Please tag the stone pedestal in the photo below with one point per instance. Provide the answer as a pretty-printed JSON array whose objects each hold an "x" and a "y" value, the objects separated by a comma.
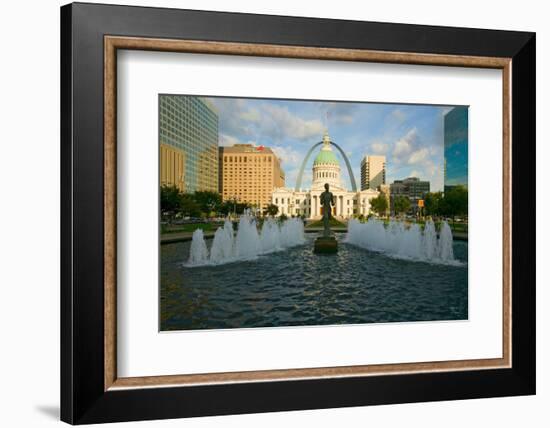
[{"x": 325, "y": 245}]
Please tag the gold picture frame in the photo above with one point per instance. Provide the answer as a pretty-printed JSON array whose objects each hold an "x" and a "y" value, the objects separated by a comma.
[{"x": 114, "y": 43}]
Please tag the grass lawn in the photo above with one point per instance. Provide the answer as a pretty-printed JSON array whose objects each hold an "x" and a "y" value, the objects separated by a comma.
[
  {"x": 191, "y": 227},
  {"x": 456, "y": 227},
  {"x": 333, "y": 223}
]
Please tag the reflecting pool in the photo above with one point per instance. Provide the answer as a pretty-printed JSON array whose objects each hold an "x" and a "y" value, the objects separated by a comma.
[{"x": 294, "y": 287}]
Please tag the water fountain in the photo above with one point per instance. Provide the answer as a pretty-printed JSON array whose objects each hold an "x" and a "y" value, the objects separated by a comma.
[
  {"x": 398, "y": 240},
  {"x": 264, "y": 276},
  {"x": 222, "y": 246},
  {"x": 247, "y": 243},
  {"x": 198, "y": 253}
]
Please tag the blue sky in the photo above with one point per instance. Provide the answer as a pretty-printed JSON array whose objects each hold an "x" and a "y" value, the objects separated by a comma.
[{"x": 410, "y": 136}]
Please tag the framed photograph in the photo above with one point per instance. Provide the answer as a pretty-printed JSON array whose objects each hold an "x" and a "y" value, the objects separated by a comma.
[{"x": 266, "y": 213}]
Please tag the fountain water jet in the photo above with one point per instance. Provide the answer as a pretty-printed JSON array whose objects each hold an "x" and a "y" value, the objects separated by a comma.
[
  {"x": 399, "y": 241},
  {"x": 247, "y": 243},
  {"x": 198, "y": 253},
  {"x": 222, "y": 246}
]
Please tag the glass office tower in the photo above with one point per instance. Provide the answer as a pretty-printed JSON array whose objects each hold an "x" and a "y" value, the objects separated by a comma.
[
  {"x": 456, "y": 147},
  {"x": 189, "y": 124}
]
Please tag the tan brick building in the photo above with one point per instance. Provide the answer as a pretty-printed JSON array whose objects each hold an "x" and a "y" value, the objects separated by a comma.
[{"x": 249, "y": 174}]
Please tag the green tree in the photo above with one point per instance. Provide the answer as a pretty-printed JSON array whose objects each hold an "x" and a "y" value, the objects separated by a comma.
[
  {"x": 231, "y": 206},
  {"x": 242, "y": 206},
  {"x": 226, "y": 208},
  {"x": 432, "y": 203},
  {"x": 170, "y": 199},
  {"x": 401, "y": 204},
  {"x": 455, "y": 202},
  {"x": 208, "y": 202},
  {"x": 188, "y": 206},
  {"x": 271, "y": 210},
  {"x": 379, "y": 204}
]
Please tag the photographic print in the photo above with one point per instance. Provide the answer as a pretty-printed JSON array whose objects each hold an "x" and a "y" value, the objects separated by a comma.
[{"x": 286, "y": 213}]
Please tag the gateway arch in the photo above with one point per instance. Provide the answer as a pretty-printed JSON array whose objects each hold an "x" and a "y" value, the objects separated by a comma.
[{"x": 304, "y": 163}]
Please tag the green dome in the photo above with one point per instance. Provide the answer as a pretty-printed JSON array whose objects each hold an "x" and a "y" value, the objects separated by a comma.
[{"x": 325, "y": 156}]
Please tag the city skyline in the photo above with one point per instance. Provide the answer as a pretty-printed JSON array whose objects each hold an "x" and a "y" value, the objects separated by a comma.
[{"x": 411, "y": 137}]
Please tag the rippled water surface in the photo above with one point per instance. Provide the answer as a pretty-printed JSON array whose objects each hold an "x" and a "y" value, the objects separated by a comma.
[{"x": 296, "y": 287}]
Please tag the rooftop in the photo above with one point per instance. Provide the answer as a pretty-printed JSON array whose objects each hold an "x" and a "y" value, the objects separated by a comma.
[{"x": 246, "y": 148}]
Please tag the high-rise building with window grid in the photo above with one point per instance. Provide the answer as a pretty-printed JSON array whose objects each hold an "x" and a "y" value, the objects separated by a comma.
[
  {"x": 373, "y": 172},
  {"x": 188, "y": 125},
  {"x": 249, "y": 174}
]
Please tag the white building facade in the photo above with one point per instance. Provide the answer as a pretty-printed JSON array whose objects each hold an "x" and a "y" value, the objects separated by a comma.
[{"x": 326, "y": 169}]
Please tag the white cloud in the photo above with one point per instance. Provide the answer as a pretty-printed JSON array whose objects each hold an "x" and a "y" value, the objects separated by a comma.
[
  {"x": 287, "y": 155},
  {"x": 254, "y": 120},
  {"x": 418, "y": 156},
  {"x": 279, "y": 123},
  {"x": 435, "y": 150},
  {"x": 411, "y": 157},
  {"x": 251, "y": 115},
  {"x": 404, "y": 146},
  {"x": 428, "y": 170},
  {"x": 379, "y": 148},
  {"x": 227, "y": 140}
]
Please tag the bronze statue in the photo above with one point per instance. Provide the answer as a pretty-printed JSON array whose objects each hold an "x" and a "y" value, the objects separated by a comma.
[
  {"x": 327, "y": 201},
  {"x": 326, "y": 243}
]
